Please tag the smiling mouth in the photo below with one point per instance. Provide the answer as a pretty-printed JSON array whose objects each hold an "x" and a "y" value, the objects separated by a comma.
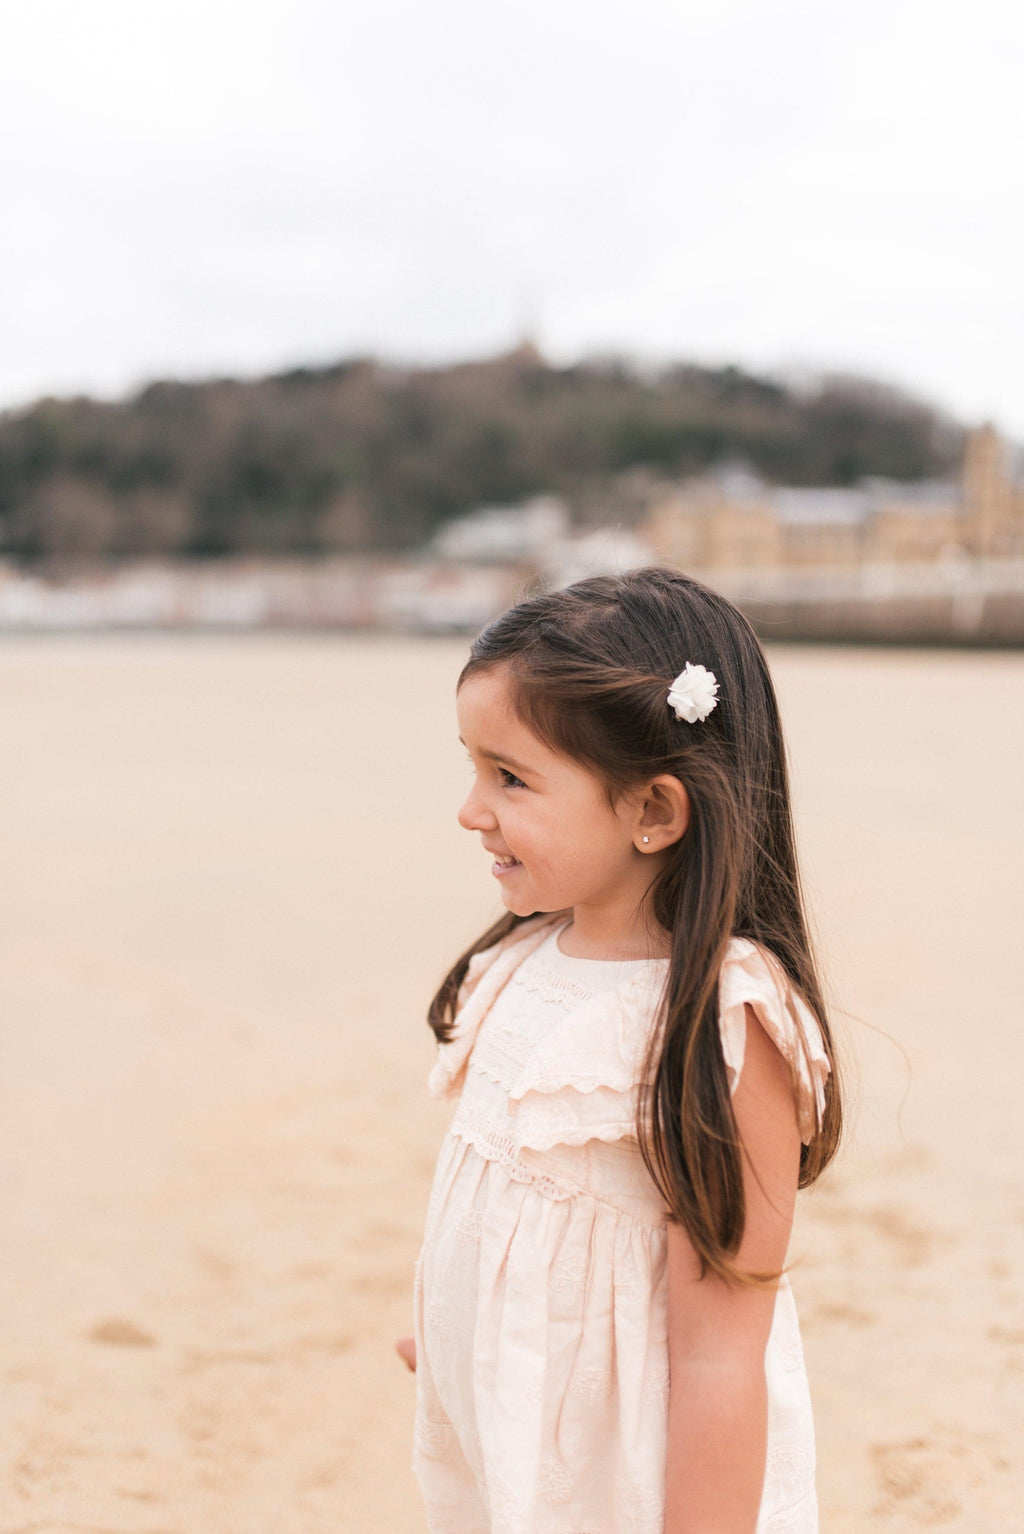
[{"x": 504, "y": 865}]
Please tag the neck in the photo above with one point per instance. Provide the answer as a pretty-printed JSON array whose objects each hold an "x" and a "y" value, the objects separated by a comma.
[{"x": 600, "y": 933}]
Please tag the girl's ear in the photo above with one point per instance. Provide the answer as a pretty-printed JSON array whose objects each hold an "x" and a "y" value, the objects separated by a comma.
[{"x": 662, "y": 814}]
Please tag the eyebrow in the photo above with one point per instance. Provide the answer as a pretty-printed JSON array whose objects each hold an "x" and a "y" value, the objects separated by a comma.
[{"x": 502, "y": 756}]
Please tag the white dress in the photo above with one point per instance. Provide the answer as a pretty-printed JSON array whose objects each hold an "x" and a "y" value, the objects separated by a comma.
[{"x": 540, "y": 1294}]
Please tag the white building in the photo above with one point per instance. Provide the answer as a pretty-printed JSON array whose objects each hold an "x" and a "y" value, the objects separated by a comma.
[{"x": 504, "y": 534}]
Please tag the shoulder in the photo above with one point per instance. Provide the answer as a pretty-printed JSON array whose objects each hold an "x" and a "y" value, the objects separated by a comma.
[
  {"x": 508, "y": 952},
  {"x": 752, "y": 977},
  {"x": 487, "y": 972}
]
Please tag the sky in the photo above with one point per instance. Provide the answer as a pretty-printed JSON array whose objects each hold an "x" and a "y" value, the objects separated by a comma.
[{"x": 213, "y": 187}]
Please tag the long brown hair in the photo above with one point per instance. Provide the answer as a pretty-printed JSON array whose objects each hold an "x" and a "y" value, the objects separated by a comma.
[{"x": 590, "y": 667}]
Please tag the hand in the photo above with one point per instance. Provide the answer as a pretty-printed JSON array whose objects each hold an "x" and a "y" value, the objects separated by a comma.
[{"x": 405, "y": 1347}]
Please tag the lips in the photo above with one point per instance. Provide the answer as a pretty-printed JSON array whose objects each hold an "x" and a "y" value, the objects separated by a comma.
[{"x": 503, "y": 863}]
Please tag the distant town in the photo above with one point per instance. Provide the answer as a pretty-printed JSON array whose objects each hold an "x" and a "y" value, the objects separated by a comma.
[{"x": 933, "y": 561}]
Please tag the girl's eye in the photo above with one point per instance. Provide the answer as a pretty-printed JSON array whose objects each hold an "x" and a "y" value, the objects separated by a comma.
[{"x": 508, "y": 779}]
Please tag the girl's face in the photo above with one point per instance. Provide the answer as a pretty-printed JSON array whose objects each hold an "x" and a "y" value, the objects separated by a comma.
[{"x": 555, "y": 840}]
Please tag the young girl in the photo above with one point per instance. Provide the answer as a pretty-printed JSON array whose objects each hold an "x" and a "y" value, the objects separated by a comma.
[{"x": 605, "y": 1341}]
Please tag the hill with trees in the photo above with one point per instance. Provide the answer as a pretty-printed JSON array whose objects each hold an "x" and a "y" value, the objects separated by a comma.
[{"x": 365, "y": 455}]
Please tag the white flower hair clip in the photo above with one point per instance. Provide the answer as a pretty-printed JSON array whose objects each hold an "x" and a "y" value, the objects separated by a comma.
[{"x": 693, "y": 694}]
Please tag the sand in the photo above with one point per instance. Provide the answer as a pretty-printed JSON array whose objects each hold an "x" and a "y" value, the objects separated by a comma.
[{"x": 233, "y": 876}]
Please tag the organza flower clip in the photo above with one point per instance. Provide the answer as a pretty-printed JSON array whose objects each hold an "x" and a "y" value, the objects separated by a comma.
[{"x": 693, "y": 694}]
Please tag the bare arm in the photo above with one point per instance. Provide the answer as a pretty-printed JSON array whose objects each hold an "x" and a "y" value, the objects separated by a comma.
[{"x": 718, "y": 1403}]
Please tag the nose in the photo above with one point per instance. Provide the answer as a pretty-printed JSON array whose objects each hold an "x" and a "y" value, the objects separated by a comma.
[{"x": 474, "y": 814}]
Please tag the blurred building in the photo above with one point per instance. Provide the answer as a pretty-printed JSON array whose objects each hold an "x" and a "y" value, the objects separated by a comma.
[
  {"x": 599, "y": 551},
  {"x": 931, "y": 561},
  {"x": 730, "y": 519},
  {"x": 504, "y": 534}
]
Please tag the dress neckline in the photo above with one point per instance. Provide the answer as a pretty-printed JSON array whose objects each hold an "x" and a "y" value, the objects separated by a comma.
[{"x": 597, "y": 968}]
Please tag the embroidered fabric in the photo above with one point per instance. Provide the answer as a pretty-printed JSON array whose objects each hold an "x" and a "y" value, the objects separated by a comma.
[
  {"x": 540, "y": 1302},
  {"x": 549, "y": 985}
]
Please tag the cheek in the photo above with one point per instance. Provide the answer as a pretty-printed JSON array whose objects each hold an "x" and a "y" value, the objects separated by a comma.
[{"x": 530, "y": 837}]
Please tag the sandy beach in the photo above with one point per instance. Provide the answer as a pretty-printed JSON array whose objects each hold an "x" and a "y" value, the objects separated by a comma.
[{"x": 233, "y": 878}]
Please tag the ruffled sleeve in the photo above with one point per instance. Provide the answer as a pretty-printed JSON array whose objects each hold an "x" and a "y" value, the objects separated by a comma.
[
  {"x": 750, "y": 973},
  {"x": 487, "y": 973},
  {"x": 582, "y": 1080}
]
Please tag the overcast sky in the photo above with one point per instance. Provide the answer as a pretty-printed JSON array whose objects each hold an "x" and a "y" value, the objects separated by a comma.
[{"x": 216, "y": 186}]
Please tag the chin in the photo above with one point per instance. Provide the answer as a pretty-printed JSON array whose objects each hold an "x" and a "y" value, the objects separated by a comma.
[
  {"x": 521, "y": 907},
  {"x": 518, "y": 905}
]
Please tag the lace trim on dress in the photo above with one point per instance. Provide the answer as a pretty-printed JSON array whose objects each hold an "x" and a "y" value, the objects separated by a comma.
[
  {"x": 507, "y": 1051},
  {"x": 549, "y": 985},
  {"x": 574, "y": 1117},
  {"x": 494, "y": 1146},
  {"x": 475, "y": 1131}
]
